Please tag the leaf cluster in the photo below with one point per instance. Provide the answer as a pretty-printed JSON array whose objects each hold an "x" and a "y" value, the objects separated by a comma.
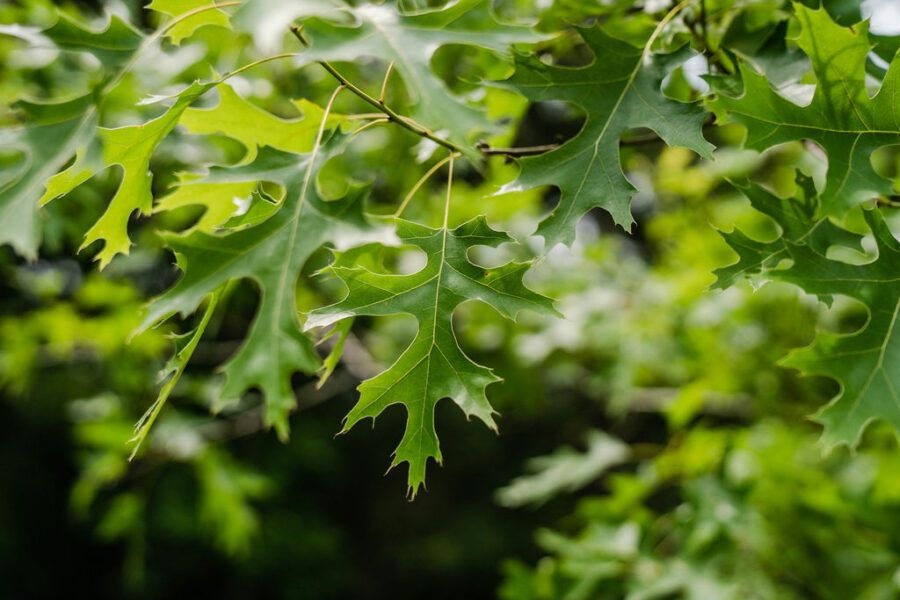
[{"x": 322, "y": 184}]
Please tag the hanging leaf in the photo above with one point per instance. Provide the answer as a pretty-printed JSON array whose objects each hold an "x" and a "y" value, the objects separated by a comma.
[
  {"x": 864, "y": 362},
  {"x": 619, "y": 90},
  {"x": 131, "y": 149},
  {"x": 55, "y": 131},
  {"x": 433, "y": 367}
]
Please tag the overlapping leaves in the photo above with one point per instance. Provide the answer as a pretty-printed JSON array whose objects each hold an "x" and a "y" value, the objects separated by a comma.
[
  {"x": 796, "y": 217},
  {"x": 131, "y": 149},
  {"x": 272, "y": 253},
  {"x": 862, "y": 362},
  {"x": 253, "y": 127},
  {"x": 55, "y": 131},
  {"x": 841, "y": 117}
]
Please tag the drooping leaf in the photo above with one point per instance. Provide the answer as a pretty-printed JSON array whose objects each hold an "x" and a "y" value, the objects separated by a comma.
[
  {"x": 55, "y": 131},
  {"x": 53, "y": 134},
  {"x": 187, "y": 27},
  {"x": 799, "y": 225},
  {"x": 272, "y": 253},
  {"x": 114, "y": 45},
  {"x": 130, "y": 148},
  {"x": 841, "y": 118},
  {"x": 620, "y": 89},
  {"x": 864, "y": 362},
  {"x": 433, "y": 367},
  {"x": 409, "y": 41}
]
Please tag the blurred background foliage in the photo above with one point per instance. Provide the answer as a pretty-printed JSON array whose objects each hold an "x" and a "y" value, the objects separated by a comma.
[{"x": 673, "y": 458}]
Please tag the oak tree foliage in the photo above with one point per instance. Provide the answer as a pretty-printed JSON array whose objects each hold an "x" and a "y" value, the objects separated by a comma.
[{"x": 273, "y": 215}]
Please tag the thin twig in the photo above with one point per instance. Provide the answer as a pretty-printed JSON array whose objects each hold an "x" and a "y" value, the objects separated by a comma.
[
  {"x": 520, "y": 151},
  {"x": 703, "y": 29},
  {"x": 484, "y": 148},
  {"x": 419, "y": 184},
  {"x": 392, "y": 116},
  {"x": 366, "y": 116},
  {"x": 449, "y": 189},
  {"x": 387, "y": 75},
  {"x": 370, "y": 124},
  {"x": 256, "y": 63}
]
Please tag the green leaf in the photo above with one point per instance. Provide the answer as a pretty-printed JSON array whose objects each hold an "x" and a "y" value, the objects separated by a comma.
[
  {"x": 114, "y": 46},
  {"x": 864, "y": 362},
  {"x": 841, "y": 118},
  {"x": 187, "y": 27},
  {"x": 621, "y": 89},
  {"x": 330, "y": 363},
  {"x": 56, "y": 131},
  {"x": 861, "y": 361},
  {"x": 53, "y": 134},
  {"x": 218, "y": 200},
  {"x": 409, "y": 41},
  {"x": 271, "y": 253},
  {"x": 796, "y": 217},
  {"x": 433, "y": 367},
  {"x": 253, "y": 127},
  {"x": 130, "y": 148}
]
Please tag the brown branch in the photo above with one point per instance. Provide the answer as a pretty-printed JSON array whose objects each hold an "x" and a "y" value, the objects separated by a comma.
[
  {"x": 487, "y": 150},
  {"x": 521, "y": 151}
]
